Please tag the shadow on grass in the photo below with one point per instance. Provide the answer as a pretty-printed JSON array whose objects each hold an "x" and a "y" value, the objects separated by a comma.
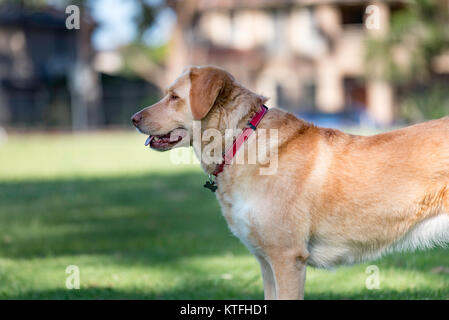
[
  {"x": 151, "y": 217},
  {"x": 224, "y": 292}
]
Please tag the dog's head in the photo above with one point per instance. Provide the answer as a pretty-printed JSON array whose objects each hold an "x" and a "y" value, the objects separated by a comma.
[{"x": 169, "y": 122}]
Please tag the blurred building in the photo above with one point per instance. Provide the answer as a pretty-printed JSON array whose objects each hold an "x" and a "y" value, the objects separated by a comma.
[
  {"x": 45, "y": 72},
  {"x": 52, "y": 77},
  {"x": 306, "y": 55}
]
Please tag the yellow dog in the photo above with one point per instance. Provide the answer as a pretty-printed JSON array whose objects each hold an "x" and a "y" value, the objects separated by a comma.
[{"x": 334, "y": 199}]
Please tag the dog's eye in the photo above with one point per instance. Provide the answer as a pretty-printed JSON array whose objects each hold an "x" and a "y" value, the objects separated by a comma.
[{"x": 174, "y": 97}]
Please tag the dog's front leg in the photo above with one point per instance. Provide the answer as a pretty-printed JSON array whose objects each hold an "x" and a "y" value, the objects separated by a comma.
[
  {"x": 290, "y": 276},
  {"x": 269, "y": 285}
]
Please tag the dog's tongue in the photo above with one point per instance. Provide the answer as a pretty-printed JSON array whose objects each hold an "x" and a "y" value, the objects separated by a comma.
[{"x": 147, "y": 142}]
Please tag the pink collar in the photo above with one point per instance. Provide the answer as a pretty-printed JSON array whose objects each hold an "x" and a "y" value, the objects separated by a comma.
[{"x": 229, "y": 155}]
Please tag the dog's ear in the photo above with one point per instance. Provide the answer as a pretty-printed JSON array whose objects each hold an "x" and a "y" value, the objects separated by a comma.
[{"x": 205, "y": 86}]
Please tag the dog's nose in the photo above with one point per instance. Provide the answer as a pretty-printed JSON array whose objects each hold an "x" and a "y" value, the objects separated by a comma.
[{"x": 136, "y": 118}]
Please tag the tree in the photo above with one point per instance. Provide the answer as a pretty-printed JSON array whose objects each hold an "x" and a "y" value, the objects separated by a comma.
[
  {"x": 144, "y": 20},
  {"x": 418, "y": 36}
]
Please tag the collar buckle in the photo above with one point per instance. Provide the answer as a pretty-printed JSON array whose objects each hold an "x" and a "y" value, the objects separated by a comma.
[{"x": 211, "y": 184}]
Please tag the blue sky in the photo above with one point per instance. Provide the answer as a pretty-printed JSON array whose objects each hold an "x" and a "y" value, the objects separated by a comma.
[{"x": 116, "y": 27}]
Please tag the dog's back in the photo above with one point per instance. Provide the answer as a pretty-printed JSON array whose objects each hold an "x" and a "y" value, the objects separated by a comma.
[{"x": 377, "y": 193}]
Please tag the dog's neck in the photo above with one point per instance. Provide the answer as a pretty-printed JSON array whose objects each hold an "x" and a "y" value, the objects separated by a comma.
[{"x": 230, "y": 113}]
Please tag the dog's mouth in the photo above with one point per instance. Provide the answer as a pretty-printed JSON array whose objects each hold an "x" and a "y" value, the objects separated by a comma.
[{"x": 166, "y": 141}]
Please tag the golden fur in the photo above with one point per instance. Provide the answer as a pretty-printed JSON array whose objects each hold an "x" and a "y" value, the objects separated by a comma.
[{"x": 335, "y": 198}]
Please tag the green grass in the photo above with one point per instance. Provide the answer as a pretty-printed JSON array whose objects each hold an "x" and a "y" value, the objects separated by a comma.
[{"x": 139, "y": 227}]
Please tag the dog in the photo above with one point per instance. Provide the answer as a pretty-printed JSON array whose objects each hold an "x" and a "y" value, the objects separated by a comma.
[{"x": 334, "y": 199}]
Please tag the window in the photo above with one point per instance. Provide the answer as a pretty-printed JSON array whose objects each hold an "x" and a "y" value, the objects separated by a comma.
[
  {"x": 355, "y": 93},
  {"x": 352, "y": 14}
]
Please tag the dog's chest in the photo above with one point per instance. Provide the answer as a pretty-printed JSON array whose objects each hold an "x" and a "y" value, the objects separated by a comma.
[{"x": 238, "y": 212}]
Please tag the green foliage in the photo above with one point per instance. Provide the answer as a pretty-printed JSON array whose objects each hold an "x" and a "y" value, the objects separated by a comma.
[
  {"x": 140, "y": 227},
  {"x": 405, "y": 57},
  {"x": 433, "y": 103},
  {"x": 156, "y": 55},
  {"x": 422, "y": 30}
]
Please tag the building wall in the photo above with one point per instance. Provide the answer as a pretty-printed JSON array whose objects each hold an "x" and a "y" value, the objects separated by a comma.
[{"x": 298, "y": 55}]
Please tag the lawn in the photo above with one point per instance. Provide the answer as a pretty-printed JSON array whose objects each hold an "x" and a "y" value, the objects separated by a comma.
[{"x": 139, "y": 227}]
